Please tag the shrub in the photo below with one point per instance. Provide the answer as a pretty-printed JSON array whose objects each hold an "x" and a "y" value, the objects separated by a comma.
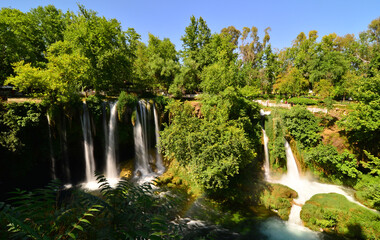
[
  {"x": 303, "y": 126},
  {"x": 94, "y": 104},
  {"x": 126, "y": 102},
  {"x": 328, "y": 163},
  {"x": 14, "y": 118},
  {"x": 216, "y": 147},
  {"x": 368, "y": 191}
]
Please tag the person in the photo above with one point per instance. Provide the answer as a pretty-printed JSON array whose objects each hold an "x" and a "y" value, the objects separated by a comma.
[{"x": 282, "y": 100}]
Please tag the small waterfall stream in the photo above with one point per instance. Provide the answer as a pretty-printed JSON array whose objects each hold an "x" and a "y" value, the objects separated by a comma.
[
  {"x": 159, "y": 163},
  {"x": 266, "y": 152},
  {"x": 88, "y": 145},
  {"x": 53, "y": 174},
  {"x": 142, "y": 167},
  {"x": 112, "y": 172}
]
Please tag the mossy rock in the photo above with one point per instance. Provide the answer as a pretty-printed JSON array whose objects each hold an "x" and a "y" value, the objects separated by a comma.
[
  {"x": 127, "y": 169},
  {"x": 179, "y": 178},
  {"x": 333, "y": 213},
  {"x": 278, "y": 198}
]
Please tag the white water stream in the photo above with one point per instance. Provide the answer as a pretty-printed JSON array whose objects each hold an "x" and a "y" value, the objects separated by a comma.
[
  {"x": 112, "y": 173},
  {"x": 266, "y": 162},
  {"x": 142, "y": 168},
  {"x": 88, "y": 145},
  {"x": 143, "y": 138}
]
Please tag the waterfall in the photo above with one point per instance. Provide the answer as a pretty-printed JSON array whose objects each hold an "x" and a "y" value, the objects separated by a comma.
[
  {"x": 105, "y": 127},
  {"x": 111, "y": 166},
  {"x": 291, "y": 165},
  {"x": 88, "y": 145},
  {"x": 53, "y": 174},
  {"x": 141, "y": 141},
  {"x": 304, "y": 187},
  {"x": 266, "y": 152},
  {"x": 159, "y": 164}
]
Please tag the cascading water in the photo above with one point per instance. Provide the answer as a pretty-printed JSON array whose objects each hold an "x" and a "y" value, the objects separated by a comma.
[
  {"x": 53, "y": 174},
  {"x": 141, "y": 141},
  {"x": 105, "y": 127},
  {"x": 111, "y": 163},
  {"x": 88, "y": 145},
  {"x": 144, "y": 140},
  {"x": 159, "y": 163},
  {"x": 266, "y": 153}
]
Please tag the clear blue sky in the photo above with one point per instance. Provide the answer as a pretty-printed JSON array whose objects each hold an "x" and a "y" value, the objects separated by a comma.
[{"x": 169, "y": 18}]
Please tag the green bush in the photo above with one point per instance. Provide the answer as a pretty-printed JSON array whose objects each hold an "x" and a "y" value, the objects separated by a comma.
[
  {"x": 94, "y": 104},
  {"x": 126, "y": 102},
  {"x": 328, "y": 163},
  {"x": 333, "y": 213},
  {"x": 14, "y": 118},
  {"x": 275, "y": 131},
  {"x": 250, "y": 92},
  {"x": 302, "y": 101},
  {"x": 368, "y": 191},
  {"x": 216, "y": 147},
  {"x": 303, "y": 126}
]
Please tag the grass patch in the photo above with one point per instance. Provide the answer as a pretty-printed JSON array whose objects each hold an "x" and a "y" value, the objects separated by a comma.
[
  {"x": 333, "y": 213},
  {"x": 302, "y": 101}
]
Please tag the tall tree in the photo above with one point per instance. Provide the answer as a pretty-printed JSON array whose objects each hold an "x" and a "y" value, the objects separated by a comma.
[
  {"x": 234, "y": 34},
  {"x": 19, "y": 40},
  {"x": 66, "y": 73},
  {"x": 291, "y": 82},
  {"x": 197, "y": 36},
  {"x": 109, "y": 49}
]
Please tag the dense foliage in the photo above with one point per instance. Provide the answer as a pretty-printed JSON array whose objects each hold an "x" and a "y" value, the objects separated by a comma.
[
  {"x": 123, "y": 212},
  {"x": 328, "y": 163},
  {"x": 14, "y": 118},
  {"x": 363, "y": 126},
  {"x": 125, "y": 102},
  {"x": 303, "y": 126},
  {"x": 217, "y": 146},
  {"x": 59, "y": 57},
  {"x": 368, "y": 191},
  {"x": 82, "y": 50}
]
